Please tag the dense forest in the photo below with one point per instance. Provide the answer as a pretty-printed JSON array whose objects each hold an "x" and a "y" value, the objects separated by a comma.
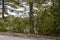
[{"x": 30, "y": 16}]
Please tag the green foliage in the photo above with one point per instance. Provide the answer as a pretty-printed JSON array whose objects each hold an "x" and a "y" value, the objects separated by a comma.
[
  {"x": 49, "y": 20},
  {"x": 14, "y": 24},
  {"x": 2, "y": 26}
]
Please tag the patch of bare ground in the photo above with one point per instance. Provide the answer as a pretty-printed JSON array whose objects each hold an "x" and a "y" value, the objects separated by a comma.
[{"x": 30, "y": 36}]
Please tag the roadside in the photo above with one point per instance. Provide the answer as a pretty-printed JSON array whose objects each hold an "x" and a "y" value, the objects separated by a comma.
[{"x": 30, "y": 36}]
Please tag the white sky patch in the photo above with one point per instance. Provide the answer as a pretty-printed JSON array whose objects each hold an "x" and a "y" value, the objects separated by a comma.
[
  {"x": 16, "y": 9},
  {"x": 44, "y": 4},
  {"x": 24, "y": 9},
  {"x": 4, "y": 15},
  {"x": 10, "y": 13},
  {"x": 48, "y": 4},
  {"x": 20, "y": 13},
  {"x": 27, "y": 8},
  {"x": 17, "y": 15},
  {"x": 20, "y": 9},
  {"x": 24, "y": 3},
  {"x": 35, "y": 14},
  {"x": 9, "y": 7},
  {"x": 27, "y": 11},
  {"x": 35, "y": 8},
  {"x": 11, "y": 3},
  {"x": 23, "y": 16}
]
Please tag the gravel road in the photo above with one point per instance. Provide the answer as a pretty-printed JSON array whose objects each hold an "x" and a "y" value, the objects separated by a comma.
[{"x": 4, "y": 37}]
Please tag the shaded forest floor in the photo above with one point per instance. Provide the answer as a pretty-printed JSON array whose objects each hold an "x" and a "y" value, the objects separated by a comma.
[{"x": 30, "y": 36}]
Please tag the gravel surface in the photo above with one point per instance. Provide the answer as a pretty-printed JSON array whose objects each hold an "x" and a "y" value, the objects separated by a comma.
[
  {"x": 19, "y": 36},
  {"x": 4, "y": 37}
]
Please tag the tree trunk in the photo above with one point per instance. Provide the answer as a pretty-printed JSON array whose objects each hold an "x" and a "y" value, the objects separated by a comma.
[
  {"x": 31, "y": 17},
  {"x": 3, "y": 9}
]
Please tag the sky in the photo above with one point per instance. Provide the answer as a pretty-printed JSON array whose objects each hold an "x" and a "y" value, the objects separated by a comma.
[
  {"x": 15, "y": 12},
  {"x": 24, "y": 9}
]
